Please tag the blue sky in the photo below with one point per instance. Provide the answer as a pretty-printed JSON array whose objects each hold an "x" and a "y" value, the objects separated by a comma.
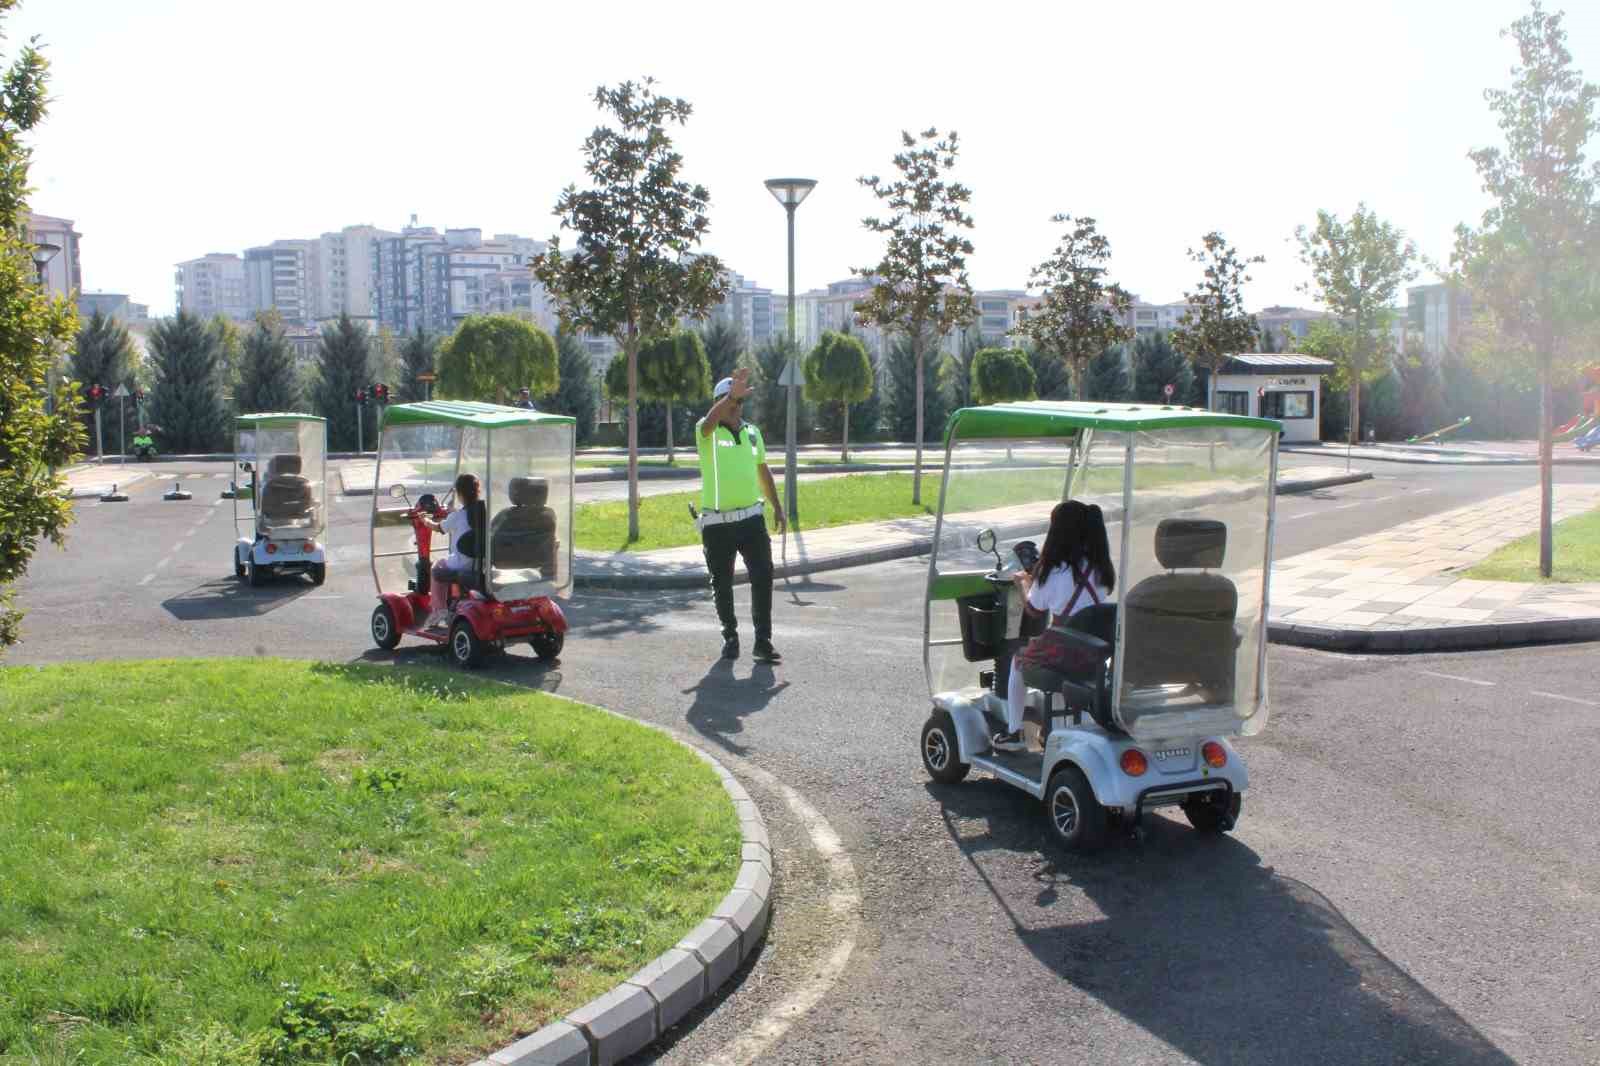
[{"x": 181, "y": 127}]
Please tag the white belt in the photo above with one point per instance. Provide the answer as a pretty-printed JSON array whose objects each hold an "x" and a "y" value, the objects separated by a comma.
[{"x": 717, "y": 518}]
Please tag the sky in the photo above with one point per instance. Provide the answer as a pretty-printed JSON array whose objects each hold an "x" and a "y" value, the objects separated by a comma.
[{"x": 181, "y": 127}]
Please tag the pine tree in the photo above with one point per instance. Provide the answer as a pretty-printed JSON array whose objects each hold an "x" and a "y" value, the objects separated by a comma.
[
  {"x": 1108, "y": 376},
  {"x": 902, "y": 398},
  {"x": 723, "y": 347},
  {"x": 417, "y": 357},
  {"x": 103, "y": 354},
  {"x": 186, "y": 398},
  {"x": 1156, "y": 363},
  {"x": 772, "y": 410},
  {"x": 575, "y": 395},
  {"x": 268, "y": 378},
  {"x": 1050, "y": 375},
  {"x": 344, "y": 362},
  {"x": 230, "y": 351}
]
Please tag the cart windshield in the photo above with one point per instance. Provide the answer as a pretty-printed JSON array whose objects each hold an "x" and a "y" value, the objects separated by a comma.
[
  {"x": 288, "y": 474},
  {"x": 415, "y": 459}
]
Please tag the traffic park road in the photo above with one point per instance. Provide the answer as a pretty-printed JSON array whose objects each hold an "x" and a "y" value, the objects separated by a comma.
[{"x": 1412, "y": 879}]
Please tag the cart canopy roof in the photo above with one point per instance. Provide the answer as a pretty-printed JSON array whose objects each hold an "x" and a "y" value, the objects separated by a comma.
[
  {"x": 276, "y": 418},
  {"x": 467, "y": 413},
  {"x": 1063, "y": 418}
]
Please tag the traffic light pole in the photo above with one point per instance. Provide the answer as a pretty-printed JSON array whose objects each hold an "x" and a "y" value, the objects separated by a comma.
[
  {"x": 122, "y": 432},
  {"x": 99, "y": 447},
  {"x": 359, "y": 448}
]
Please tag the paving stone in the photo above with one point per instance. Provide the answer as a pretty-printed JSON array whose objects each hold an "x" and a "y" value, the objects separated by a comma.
[
  {"x": 618, "y": 1023},
  {"x": 748, "y": 914},
  {"x": 755, "y": 876},
  {"x": 753, "y": 852},
  {"x": 557, "y": 1044},
  {"x": 677, "y": 983},
  {"x": 716, "y": 943}
]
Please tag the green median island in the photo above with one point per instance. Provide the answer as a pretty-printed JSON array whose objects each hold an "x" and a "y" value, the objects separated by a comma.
[
  {"x": 267, "y": 862},
  {"x": 1576, "y": 545}
]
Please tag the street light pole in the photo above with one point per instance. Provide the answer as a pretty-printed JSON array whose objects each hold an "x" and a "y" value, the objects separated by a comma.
[{"x": 789, "y": 192}]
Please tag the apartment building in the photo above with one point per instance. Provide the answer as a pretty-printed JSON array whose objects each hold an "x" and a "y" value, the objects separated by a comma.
[
  {"x": 1286, "y": 325},
  {"x": 212, "y": 285},
  {"x": 63, "y": 273},
  {"x": 285, "y": 276},
  {"x": 1439, "y": 313},
  {"x": 346, "y": 279},
  {"x": 113, "y": 305},
  {"x": 749, "y": 309}
]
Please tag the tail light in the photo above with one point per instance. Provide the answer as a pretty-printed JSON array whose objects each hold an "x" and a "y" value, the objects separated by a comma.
[
  {"x": 272, "y": 549},
  {"x": 309, "y": 546},
  {"x": 1134, "y": 764},
  {"x": 1214, "y": 754}
]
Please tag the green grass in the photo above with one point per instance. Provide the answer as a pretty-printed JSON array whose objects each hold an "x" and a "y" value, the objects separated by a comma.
[
  {"x": 259, "y": 861},
  {"x": 1576, "y": 549}
]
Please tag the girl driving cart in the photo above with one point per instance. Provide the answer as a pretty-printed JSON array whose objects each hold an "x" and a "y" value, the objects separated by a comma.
[{"x": 460, "y": 566}]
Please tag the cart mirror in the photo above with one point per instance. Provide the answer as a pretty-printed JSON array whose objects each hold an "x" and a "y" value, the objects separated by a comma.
[
  {"x": 986, "y": 540},
  {"x": 397, "y": 490},
  {"x": 246, "y": 467}
]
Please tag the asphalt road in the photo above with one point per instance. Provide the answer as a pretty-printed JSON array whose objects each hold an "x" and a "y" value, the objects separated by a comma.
[{"x": 1412, "y": 880}]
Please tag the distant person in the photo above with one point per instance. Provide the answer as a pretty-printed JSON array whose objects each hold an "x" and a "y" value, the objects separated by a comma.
[
  {"x": 734, "y": 477},
  {"x": 525, "y": 401},
  {"x": 1074, "y": 572}
]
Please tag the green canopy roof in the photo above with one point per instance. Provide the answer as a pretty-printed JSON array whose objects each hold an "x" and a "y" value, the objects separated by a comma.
[
  {"x": 276, "y": 418},
  {"x": 1063, "y": 418},
  {"x": 468, "y": 413}
]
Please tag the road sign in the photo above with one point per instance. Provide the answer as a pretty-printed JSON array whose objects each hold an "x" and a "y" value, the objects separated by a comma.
[
  {"x": 428, "y": 378},
  {"x": 1169, "y": 390},
  {"x": 121, "y": 393},
  {"x": 791, "y": 374}
]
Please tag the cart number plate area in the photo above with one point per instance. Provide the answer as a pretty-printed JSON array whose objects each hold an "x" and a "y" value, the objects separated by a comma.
[{"x": 1166, "y": 754}]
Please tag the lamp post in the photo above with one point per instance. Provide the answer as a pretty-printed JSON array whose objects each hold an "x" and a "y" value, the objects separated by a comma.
[
  {"x": 42, "y": 254},
  {"x": 789, "y": 192}
]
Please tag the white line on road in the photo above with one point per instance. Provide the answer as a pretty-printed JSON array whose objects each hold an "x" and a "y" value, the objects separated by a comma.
[
  {"x": 1453, "y": 677},
  {"x": 163, "y": 562},
  {"x": 1565, "y": 699},
  {"x": 146, "y": 579}
]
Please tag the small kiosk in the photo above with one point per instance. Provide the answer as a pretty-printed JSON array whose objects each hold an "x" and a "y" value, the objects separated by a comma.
[{"x": 1283, "y": 387}]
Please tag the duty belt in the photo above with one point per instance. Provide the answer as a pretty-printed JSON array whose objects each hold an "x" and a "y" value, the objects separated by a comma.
[{"x": 717, "y": 518}]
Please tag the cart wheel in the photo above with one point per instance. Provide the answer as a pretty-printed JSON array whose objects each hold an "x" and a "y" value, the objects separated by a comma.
[
  {"x": 319, "y": 573},
  {"x": 465, "y": 647},
  {"x": 385, "y": 633},
  {"x": 238, "y": 567},
  {"x": 1076, "y": 817},
  {"x": 258, "y": 575},
  {"x": 548, "y": 645},
  {"x": 1211, "y": 814},
  {"x": 940, "y": 753}
]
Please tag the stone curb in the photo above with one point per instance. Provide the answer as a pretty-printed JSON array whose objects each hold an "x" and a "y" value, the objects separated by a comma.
[
  {"x": 905, "y": 549},
  {"x": 646, "y": 1005},
  {"x": 1560, "y": 460},
  {"x": 1434, "y": 638}
]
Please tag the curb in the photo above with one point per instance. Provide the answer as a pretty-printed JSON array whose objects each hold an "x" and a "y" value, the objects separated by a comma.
[
  {"x": 1435, "y": 638},
  {"x": 906, "y": 549},
  {"x": 1559, "y": 460},
  {"x": 85, "y": 492},
  {"x": 636, "y": 1012}
]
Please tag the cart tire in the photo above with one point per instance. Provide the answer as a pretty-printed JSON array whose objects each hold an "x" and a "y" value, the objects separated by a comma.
[
  {"x": 385, "y": 631},
  {"x": 465, "y": 648},
  {"x": 941, "y": 754},
  {"x": 547, "y": 646},
  {"x": 258, "y": 575},
  {"x": 238, "y": 567},
  {"x": 1076, "y": 817},
  {"x": 1211, "y": 817},
  {"x": 319, "y": 573}
]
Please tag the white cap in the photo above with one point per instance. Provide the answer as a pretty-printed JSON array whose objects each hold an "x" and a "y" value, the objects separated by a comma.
[{"x": 722, "y": 389}]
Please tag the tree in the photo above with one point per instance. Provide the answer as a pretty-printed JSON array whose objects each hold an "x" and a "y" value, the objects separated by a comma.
[
  {"x": 1108, "y": 376},
  {"x": 103, "y": 354},
  {"x": 417, "y": 355},
  {"x": 1356, "y": 270},
  {"x": 1050, "y": 374},
  {"x": 723, "y": 347},
  {"x": 955, "y": 370},
  {"x": 634, "y": 271},
  {"x": 575, "y": 395},
  {"x": 1002, "y": 375},
  {"x": 1080, "y": 313},
  {"x": 920, "y": 288},
  {"x": 1532, "y": 262},
  {"x": 1216, "y": 324},
  {"x": 907, "y": 415},
  {"x": 838, "y": 371},
  {"x": 35, "y": 437},
  {"x": 344, "y": 365},
  {"x": 673, "y": 369},
  {"x": 1157, "y": 364},
  {"x": 493, "y": 357},
  {"x": 186, "y": 397},
  {"x": 268, "y": 378},
  {"x": 772, "y": 399},
  {"x": 230, "y": 350}
]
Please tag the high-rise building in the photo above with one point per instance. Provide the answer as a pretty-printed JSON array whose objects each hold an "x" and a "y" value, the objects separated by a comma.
[
  {"x": 212, "y": 285},
  {"x": 113, "y": 305},
  {"x": 284, "y": 275},
  {"x": 748, "y": 308},
  {"x": 346, "y": 276},
  {"x": 63, "y": 274},
  {"x": 1286, "y": 325},
  {"x": 1439, "y": 313}
]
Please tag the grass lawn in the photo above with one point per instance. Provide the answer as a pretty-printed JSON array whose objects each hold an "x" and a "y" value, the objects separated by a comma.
[
  {"x": 260, "y": 861},
  {"x": 1577, "y": 554}
]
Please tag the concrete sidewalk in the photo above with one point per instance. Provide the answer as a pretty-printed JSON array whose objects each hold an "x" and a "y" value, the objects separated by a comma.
[
  {"x": 818, "y": 551},
  {"x": 1401, "y": 589},
  {"x": 88, "y": 480}
]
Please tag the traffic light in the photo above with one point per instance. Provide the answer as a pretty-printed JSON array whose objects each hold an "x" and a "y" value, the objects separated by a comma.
[
  {"x": 138, "y": 396},
  {"x": 380, "y": 392},
  {"x": 95, "y": 393},
  {"x": 361, "y": 397}
]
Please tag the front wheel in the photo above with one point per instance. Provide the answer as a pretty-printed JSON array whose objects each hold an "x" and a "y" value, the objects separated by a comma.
[
  {"x": 1211, "y": 813},
  {"x": 941, "y": 755},
  {"x": 319, "y": 573},
  {"x": 547, "y": 646},
  {"x": 385, "y": 633},
  {"x": 1076, "y": 817},
  {"x": 465, "y": 647}
]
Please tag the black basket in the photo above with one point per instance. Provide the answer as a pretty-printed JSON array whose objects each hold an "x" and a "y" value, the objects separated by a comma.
[{"x": 983, "y": 625}]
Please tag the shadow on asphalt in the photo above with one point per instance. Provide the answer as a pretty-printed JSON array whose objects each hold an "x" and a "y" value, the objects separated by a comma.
[
  {"x": 722, "y": 701},
  {"x": 1210, "y": 951},
  {"x": 233, "y": 598},
  {"x": 793, "y": 587},
  {"x": 509, "y": 666}
]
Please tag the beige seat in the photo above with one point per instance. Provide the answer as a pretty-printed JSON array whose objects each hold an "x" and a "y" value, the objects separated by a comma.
[
  {"x": 287, "y": 502},
  {"x": 523, "y": 535}
]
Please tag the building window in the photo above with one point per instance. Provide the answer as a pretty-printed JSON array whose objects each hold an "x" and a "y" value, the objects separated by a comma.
[
  {"x": 1233, "y": 402},
  {"x": 1284, "y": 405}
]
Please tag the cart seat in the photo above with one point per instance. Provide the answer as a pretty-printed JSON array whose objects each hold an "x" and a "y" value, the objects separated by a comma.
[
  {"x": 286, "y": 497},
  {"x": 1180, "y": 625},
  {"x": 523, "y": 535}
]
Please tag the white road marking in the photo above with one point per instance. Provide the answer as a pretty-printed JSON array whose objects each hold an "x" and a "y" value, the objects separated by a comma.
[
  {"x": 1463, "y": 680},
  {"x": 146, "y": 579},
  {"x": 1566, "y": 699},
  {"x": 192, "y": 531},
  {"x": 163, "y": 562}
]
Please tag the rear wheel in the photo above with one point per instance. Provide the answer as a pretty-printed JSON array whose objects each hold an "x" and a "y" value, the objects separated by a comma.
[
  {"x": 547, "y": 646},
  {"x": 258, "y": 575},
  {"x": 1076, "y": 817},
  {"x": 941, "y": 756},
  {"x": 385, "y": 632},
  {"x": 1211, "y": 813},
  {"x": 465, "y": 647},
  {"x": 238, "y": 565},
  {"x": 319, "y": 573}
]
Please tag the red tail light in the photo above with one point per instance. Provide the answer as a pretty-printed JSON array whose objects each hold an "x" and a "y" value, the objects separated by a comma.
[
  {"x": 1134, "y": 764},
  {"x": 272, "y": 549},
  {"x": 1214, "y": 754},
  {"x": 309, "y": 546}
]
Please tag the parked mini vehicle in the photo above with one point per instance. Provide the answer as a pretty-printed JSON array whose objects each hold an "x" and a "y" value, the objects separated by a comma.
[{"x": 282, "y": 458}]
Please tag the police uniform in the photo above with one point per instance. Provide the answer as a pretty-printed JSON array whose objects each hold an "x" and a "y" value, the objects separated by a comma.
[{"x": 732, "y": 521}]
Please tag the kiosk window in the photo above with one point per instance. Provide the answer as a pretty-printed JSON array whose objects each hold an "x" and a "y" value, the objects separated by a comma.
[
  {"x": 1233, "y": 402},
  {"x": 1287, "y": 405}
]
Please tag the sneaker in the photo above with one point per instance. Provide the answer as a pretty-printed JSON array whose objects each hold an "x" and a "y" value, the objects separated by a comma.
[
  {"x": 730, "y": 648},
  {"x": 765, "y": 652},
  {"x": 1009, "y": 741},
  {"x": 435, "y": 619}
]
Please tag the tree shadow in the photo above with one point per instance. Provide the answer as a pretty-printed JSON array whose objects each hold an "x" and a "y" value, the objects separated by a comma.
[
  {"x": 722, "y": 701},
  {"x": 229, "y": 597},
  {"x": 1210, "y": 951}
]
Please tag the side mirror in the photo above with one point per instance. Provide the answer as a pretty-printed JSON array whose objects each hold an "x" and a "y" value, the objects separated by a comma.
[
  {"x": 396, "y": 490},
  {"x": 246, "y": 467},
  {"x": 986, "y": 540}
]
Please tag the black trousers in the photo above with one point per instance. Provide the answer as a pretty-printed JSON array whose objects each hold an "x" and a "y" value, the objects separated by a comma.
[{"x": 749, "y": 540}]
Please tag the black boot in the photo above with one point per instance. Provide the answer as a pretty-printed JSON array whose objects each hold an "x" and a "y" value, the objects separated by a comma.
[
  {"x": 730, "y": 648},
  {"x": 765, "y": 652}
]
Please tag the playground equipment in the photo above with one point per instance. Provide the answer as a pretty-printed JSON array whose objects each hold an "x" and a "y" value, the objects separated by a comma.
[
  {"x": 1436, "y": 434},
  {"x": 1575, "y": 429}
]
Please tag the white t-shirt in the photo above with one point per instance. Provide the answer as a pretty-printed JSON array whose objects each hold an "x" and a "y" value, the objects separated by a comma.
[
  {"x": 456, "y": 525},
  {"x": 1055, "y": 592}
]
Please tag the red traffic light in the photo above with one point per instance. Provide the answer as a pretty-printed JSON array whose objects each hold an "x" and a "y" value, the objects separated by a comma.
[{"x": 361, "y": 396}]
